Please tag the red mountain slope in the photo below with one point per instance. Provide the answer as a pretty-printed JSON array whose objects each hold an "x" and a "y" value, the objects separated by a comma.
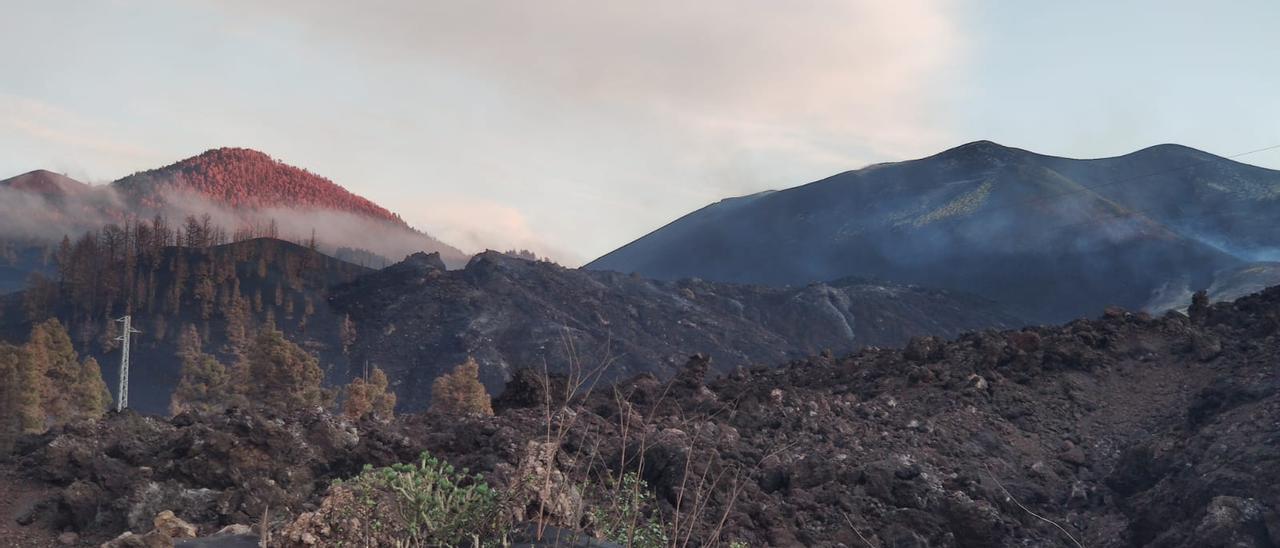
[{"x": 241, "y": 177}]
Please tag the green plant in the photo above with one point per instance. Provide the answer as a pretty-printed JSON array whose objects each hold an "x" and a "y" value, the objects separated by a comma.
[
  {"x": 630, "y": 521},
  {"x": 437, "y": 504}
]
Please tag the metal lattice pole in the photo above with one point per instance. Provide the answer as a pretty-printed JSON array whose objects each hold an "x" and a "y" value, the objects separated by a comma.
[{"x": 122, "y": 399}]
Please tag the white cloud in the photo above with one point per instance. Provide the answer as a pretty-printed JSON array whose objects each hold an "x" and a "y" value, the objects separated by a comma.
[
  {"x": 475, "y": 225},
  {"x": 90, "y": 142},
  {"x": 598, "y": 120},
  {"x": 838, "y": 69},
  {"x": 692, "y": 100}
]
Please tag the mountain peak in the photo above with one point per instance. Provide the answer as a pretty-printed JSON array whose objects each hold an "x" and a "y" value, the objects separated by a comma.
[
  {"x": 43, "y": 181},
  {"x": 979, "y": 149},
  {"x": 1166, "y": 150},
  {"x": 243, "y": 177},
  {"x": 232, "y": 153}
]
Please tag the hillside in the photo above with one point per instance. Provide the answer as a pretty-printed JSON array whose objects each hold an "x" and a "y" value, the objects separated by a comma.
[
  {"x": 1052, "y": 238},
  {"x": 1127, "y": 430},
  {"x": 416, "y": 320},
  {"x": 226, "y": 292},
  {"x": 241, "y": 177},
  {"x": 18, "y": 261},
  {"x": 45, "y": 183},
  {"x": 253, "y": 188},
  {"x": 234, "y": 193}
]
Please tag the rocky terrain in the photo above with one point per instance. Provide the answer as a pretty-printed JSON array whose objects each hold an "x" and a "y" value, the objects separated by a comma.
[
  {"x": 1051, "y": 238},
  {"x": 1126, "y": 430},
  {"x": 417, "y": 320}
]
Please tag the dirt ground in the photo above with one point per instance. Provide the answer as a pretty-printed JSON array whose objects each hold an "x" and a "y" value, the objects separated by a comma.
[{"x": 18, "y": 496}]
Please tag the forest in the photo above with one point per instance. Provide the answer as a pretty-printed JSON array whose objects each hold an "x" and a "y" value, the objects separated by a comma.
[{"x": 225, "y": 285}]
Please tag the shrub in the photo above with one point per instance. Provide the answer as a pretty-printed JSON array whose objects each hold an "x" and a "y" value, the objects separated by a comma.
[
  {"x": 631, "y": 520},
  {"x": 369, "y": 396},
  {"x": 279, "y": 375},
  {"x": 428, "y": 503},
  {"x": 90, "y": 391},
  {"x": 460, "y": 392},
  {"x": 205, "y": 384}
]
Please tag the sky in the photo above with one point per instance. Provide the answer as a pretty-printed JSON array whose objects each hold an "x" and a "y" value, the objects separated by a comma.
[{"x": 571, "y": 127}]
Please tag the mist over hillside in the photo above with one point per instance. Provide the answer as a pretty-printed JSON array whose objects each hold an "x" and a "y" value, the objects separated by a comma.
[
  {"x": 239, "y": 191},
  {"x": 1053, "y": 238}
]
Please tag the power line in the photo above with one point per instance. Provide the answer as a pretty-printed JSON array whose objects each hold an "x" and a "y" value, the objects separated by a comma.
[{"x": 122, "y": 399}]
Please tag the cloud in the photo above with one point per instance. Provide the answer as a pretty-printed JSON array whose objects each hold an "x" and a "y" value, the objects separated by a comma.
[
  {"x": 81, "y": 137},
  {"x": 599, "y": 121},
  {"x": 807, "y": 72},
  {"x": 661, "y": 106},
  {"x": 477, "y": 224}
]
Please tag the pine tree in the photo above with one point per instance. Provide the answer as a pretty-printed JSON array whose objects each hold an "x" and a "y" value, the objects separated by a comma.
[
  {"x": 460, "y": 392},
  {"x": 204, "y": 290},
  {"x": 92, "y": 397},
  {"x": 384, "y": 401},
  {"x": 237, "y": 328},
  {"x": 68, "y": 389},
  {"x": 347, "y": 333},
  {"x": 19, "y": 396},
  {"x": 205, "y": 384},
  {"x": 369, "y": 396},
  {"x": 357, "y": 403},
  {"x": 50, "y": 352},
  {"x": 280, "y": 375},
  {"x": 22, "y": 388},
  {"x": 38, "y": 299}
]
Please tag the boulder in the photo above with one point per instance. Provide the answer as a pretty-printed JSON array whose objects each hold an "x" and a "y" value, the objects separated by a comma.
[
  {"x": 1231, "y": 522},
  {"x": 154, "y": 539},
  {"x": 173, "y": 526}
]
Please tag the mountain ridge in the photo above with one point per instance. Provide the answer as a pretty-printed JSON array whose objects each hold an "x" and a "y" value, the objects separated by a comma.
[
  {"x": 417, "y": 320},
  {"x": 948, "y": 219}
]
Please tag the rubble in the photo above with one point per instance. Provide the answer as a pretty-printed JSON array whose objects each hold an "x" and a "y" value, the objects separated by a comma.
[{"x": 1114, "y": 429}]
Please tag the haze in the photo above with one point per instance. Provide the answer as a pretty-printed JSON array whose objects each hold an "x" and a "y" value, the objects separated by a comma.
[{"x": 571, "y": 128}]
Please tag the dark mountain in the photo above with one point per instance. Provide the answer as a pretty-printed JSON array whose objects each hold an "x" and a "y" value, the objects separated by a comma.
[
  {"x": 1214, "y": 200},
  {"x": 1054, "y": 238},
  {"x": 417, "y": 320}
]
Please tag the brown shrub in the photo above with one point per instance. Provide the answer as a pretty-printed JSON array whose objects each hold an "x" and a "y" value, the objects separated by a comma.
[{"x": 460, "y": 392}]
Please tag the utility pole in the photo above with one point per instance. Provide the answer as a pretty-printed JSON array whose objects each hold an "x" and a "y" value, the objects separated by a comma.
[{"x": 122, "y": 399}]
